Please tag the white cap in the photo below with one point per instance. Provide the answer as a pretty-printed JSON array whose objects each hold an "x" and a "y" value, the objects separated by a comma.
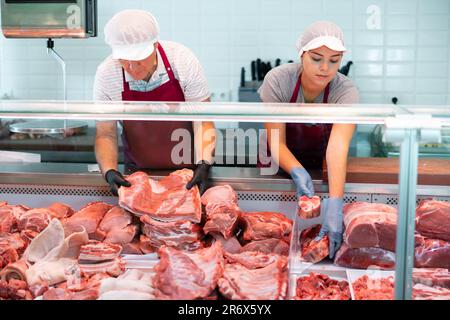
[
  {"x": 321, "y": 33},
  {"x": 132, "y": 34}
]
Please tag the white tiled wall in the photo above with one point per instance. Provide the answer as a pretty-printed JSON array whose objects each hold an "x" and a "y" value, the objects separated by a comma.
[{"x": 407, "y": 56}]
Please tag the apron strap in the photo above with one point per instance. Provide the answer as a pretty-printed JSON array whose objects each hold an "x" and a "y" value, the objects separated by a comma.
[
  {"x": 297, "y": 90},
  {"x": 166, "y": 62}
]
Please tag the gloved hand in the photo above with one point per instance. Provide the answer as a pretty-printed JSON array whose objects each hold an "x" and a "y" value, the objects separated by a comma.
[
  {"x": 303, "y": 182},
  {"x": 200, "y": 177},
  {"x": 115, "y": 181},
  {"x": 333, "y": 225}
]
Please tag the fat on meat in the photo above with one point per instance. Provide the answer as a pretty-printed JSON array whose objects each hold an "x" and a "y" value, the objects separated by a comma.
[
  {"x": 265, "y": 225},
  {"x": 433, "y": 219},
  {"x": 220, "y": 195},
  {"x": 89, "y": 217}
]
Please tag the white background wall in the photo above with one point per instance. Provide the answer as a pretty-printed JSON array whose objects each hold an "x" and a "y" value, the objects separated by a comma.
[{"x": 407, "y": 57}]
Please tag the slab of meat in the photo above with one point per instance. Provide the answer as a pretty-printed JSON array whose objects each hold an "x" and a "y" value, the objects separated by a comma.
[
  {"x": 308, "y": 207},
  {"x": 61, "y": 210},
  {"x": 9, "y": 217},
  {"x": 321, "y": 287},
  {"x": 266, "y": 225},
  {"x": 35, "y": 219},
  {"x": 370, "y": 225},
  {"x": 432, "y": 254},
  {"x": 230, "y": 245},
  {"x": 222, "y": 218},
  {"x": 433, "y": 219},
  {"x": 180, "y": 233},
  {"x": 145, "y": 245},
  {"x": 267, "y": 283},
  {"x": 13, "y": 241},
  {"x": 99, "y": 251},
  {"x": 220, "y": 195},
  {"x": 433, "y": 277},
  {"x": 186, "y": 276},
  {"x": 64, "y": 294},
  {"x": 89, "y": 217},
  {"x": 7, "y": 255},
  {"x": 15, "y": 270},
  {"x": 252, "y": 259},
  {"x": 423, "y": 292},
  {"x": 165, "y": 200},
  {"x": 132, "y": 247},
  {"x": 113, "y": 267},
  {"x": 268, "y": 246},
  {"x": 313, "y": 250},
  {"x": 366, "y": 288},
  {"x": 116, "y": 227},
  {"x": 14, "y": 290},
  {"x": 363, "y": 258}
]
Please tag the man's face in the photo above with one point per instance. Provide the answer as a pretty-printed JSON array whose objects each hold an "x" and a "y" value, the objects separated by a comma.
[
  {"x": 141, "y": 69},
  {"x": 321, "y": 64}
]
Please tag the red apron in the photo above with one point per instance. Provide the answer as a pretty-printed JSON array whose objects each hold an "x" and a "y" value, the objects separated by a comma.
[
  {"x": 147, "y": 144},
  {"x": 308, "y": 142}
]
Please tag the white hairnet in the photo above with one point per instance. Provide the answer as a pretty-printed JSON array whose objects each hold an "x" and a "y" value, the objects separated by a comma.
[
  {"x": 132, "y": 34},
  {"x": 321, "y": 33}
]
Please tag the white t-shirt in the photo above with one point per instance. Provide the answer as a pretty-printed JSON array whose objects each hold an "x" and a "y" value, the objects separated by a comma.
[{"x": 108, "y": 84}]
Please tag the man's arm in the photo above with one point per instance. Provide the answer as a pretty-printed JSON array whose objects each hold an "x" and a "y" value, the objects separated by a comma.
[
  {"x": 204, "y": 140},
  {"x": 106, "y": 149},
  {"x": 337, "y": 152}
]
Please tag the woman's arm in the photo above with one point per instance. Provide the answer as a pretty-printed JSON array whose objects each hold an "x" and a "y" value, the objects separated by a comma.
[{"x": 336, "y": 155}]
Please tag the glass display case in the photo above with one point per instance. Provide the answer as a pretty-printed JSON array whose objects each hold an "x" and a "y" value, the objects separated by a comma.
[{"x": 39, "y": 183}]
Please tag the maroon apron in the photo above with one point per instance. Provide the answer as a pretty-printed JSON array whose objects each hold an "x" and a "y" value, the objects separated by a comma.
[
  {"x": 147, "y": 144},
  {"x": 308, "y": 142}
]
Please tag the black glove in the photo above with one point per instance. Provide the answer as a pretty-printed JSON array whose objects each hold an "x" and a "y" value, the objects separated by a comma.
[
  {"x": 115, "y": 181},
  {"x": 200, "y": 178}
]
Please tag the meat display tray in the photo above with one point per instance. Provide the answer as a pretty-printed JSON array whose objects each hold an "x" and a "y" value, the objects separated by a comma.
[{"x": 355, "y": 274}]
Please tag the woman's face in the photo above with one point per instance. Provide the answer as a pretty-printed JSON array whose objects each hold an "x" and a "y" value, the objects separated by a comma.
[{"x": 321, "y": 65}]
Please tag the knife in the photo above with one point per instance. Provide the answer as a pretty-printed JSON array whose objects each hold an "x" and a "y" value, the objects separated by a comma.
[
  {"x": 258, "y": 69},
  {"x": 242, "y": 77}
]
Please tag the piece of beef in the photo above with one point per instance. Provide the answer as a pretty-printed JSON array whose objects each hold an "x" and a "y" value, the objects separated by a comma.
[
  {"x": 265, "y": 225},
  {"x": 432, "y": 253},
  {"x": 186, "y": 276},
  {"x": 313, "y": 250},
  {"x": 308, "y": 207},
  {"x": 433, "y": 219},
  {"x": 370, "y": 225},
  {"x": 271, "y": 245},
  {"x": 363, "y": 258},
  {"x": 165, "y": 200}
]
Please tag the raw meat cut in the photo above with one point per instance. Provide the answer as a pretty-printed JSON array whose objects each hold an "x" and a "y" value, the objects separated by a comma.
[
  {"x": 230, "y": 245},
  {"x": 220, "y": 195},
  {"x": 267, "y": 283},
  {"x": 12, "y": 241},
  {"x": 370, "y": 225},
  {"x": 9, "y": 217},
  {"x": 432, "y": 277},
  {"x": 99, "y": 251},
  {"x": 132, "y": 247},
  {"x": 116, "y": 227},
  {"x": 145, "y": 245},
  {"x": 321, "y": 287},
  {"x": 308, "y": 207},
  {"x": 113, "y": 267},
  {"x": 313, "y": 250},
  {"x": 60, "y": 210},
  {"x": 180, "y": 233},
  {"x": 363, "y": 258},
  {"x": 423, "y": 292},
  {"x": 165, "y": 200},
  {"x": 35, "y": 219},
  {"x": 266, "y": 225},
  {"x": 89, "y": 217},
  {"x": 15, "y": 270},
  {"x": 433, "y": 219},
  {"x": 366, "y": 288},
  {"x": 222, "y": 218},
  {"x": 186, "y": 276},
  {"x": 268, "y": 246},
  {"x": 14, "y": 290},
  {"x": 253, "y": 259},
  {"x": 433, "y": 254},
  {"x": 7, "y": 255}
]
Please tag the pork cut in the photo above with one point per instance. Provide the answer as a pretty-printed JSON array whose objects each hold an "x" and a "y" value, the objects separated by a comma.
[
  {"x": 60, "y": 210},
  {"x": 116, "y": 227},
  {"x": 363, "y": 258},
  {"x": 366, "y": 288},
  {"x": 432, "y": 253},
  {"x": 253, "y": 259},
  {"x": 181, "y": 275},
  {"x": 9, "y": 217},
  {"x": 222, "y": 218},
  {"x": 370, "y": 225},
  {"x": 271, "y": 245},
  {"x": 433, "y": 219},
  {"x": 89, "y": 217},
  {"x": 321, "y": 287},
  {"x": 220, "y": 195},
  {"x": 265, "y": 225},
  {"x": 433, "y": 277},
  {"x": 35, "y": 219},
  {"x": 312, "y": 249},
  {"x": 267, "y": 281},
  {"x": 99, "y": 251},
  {"x": 308, "y": 207},
  {"x": 179, "y": 233},
  {"x": 165, "y": 200}
]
